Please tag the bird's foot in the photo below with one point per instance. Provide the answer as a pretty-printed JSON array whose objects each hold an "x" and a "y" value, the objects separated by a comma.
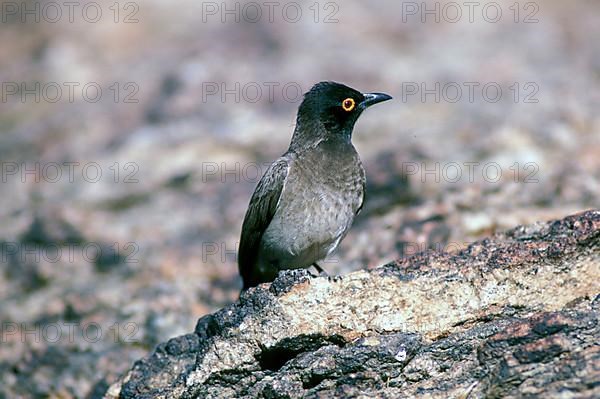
[
  {"x": 323, "y": 273},
  {"x": 329, "y": 277}
]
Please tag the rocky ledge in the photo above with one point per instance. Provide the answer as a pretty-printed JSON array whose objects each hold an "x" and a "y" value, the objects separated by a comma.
[{"x": 514, "y": 315}]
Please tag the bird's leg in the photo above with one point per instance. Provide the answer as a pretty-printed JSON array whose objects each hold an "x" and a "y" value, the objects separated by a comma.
[
  {"x": 323, "y": 273},
  {"x": 319, "y": 269}
]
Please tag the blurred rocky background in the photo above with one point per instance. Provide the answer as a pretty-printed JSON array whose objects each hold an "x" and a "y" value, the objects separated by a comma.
[{"x": 133, "y": 133}]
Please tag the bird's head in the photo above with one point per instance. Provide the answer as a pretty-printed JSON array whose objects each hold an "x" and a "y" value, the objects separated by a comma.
[{"x": 333, "y": 108}]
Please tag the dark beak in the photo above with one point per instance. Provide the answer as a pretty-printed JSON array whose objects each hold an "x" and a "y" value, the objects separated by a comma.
[{"x": 374, "y": 98}]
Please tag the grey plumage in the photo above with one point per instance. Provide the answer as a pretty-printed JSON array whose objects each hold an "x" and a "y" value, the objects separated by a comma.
[{"x": 306, "y": 201}]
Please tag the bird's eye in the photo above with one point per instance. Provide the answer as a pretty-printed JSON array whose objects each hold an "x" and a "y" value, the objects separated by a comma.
[{"x": 348, "y": 104}]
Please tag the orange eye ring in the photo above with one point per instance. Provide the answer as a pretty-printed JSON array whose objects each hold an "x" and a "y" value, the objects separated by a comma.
[{"x": 348, "y": 104}]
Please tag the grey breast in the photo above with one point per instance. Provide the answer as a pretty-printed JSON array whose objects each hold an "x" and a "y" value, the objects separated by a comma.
[{"x": 322, "y": 193}]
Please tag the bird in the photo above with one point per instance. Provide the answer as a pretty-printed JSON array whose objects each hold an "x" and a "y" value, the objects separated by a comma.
[{"x": 307, "y": 199}]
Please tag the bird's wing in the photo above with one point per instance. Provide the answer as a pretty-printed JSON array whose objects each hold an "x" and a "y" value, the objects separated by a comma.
[
  {"x": 362, "y": 200},
  {"x": 263, "y": 205},
  {"x": 364, "y": 190}
]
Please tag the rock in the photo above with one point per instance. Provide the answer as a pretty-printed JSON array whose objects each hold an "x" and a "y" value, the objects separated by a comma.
[{"x": 513, "y": 315}]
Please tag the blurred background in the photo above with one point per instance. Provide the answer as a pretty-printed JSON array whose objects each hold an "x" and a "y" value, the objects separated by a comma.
[{"x": 132, "y": 135}]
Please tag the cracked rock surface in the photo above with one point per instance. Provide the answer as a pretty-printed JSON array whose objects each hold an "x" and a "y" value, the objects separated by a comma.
[{"x": 514, "y": 315}]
